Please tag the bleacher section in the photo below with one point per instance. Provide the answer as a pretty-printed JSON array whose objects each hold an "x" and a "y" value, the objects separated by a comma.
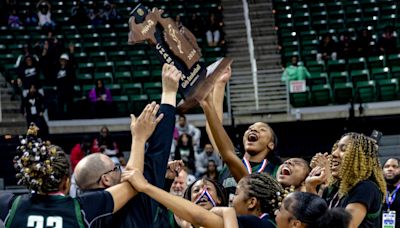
[
  {"x": 301, "y": 24},
  {"x": 133, "y": 73}
]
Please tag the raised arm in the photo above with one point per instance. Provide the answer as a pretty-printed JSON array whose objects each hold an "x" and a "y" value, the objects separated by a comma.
[
  {"x": 141, "y": 130},
  {"x": 222, "y": 140},
  {"x": 218, "y": 101},
  {"x": 183, "y": 208}
]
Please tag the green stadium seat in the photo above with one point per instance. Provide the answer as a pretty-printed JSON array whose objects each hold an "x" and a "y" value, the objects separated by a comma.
[
  {"x": 86, "y": 67},
  {"x": 7, "y": 58},
  {"x": 155, "y": 97},
  {"x": 141, "y": 75},
  {"x": 366, "y": 91},
  {"x": 123, "y": 66},
  {"x": 122, "y": 104},
  {"x": 343, "y": 92},
  {"x": 123, "y": 77},
  {"x": 336, "y": 24},
  {"x": 138, "y": 102},
  {"x": 339, "y": 77},
  {"x": 359, "y": 75},
  {"x": 132, "y": 88},
  {"x": 77, "y": 91},
  {"x": 117, "y": 56},
  {"x": 380, "y": 73},
  {"x": 115, "y": 89},
  {"x": 394, "y": 60},
  {"x": 395, "y": 72},
  {"x": 319, "y": 15},
  {"x": 357, "y": 64},
  {"x": 86, "y": 89},
  {"x": 376, "y": 62},
  {"x": 84, "y": 79},
  {"x": 317, "y": 79},
  {"x": 104, "y": 66},
  {"x": 100, "y": 56},
  {"x": 91, "y": 37},
  {"x": 321, "y": 94},
  {"x": 75, "y": 38},
  {"x": 108, "y": 36},
  {"x": 110, "y": 46},
  {"x": 316, "y": 66},
  {"x": 81, "y": 57},
  {"x": 300, "y": 99},
  {"x": 106, "y": 77},
  {"x": 152, "y": 87},
  {"x": 337, "y": 65},
  {"x": 388, "y": 89},
  {"x": 92, "y": 47}
]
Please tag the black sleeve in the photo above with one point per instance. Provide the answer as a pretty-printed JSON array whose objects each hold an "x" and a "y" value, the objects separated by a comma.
[
  {"x": 157, "y": 154},
  {"x": 5, "y": 204},
  {"x": 366, "y": 193},
  {"x": 95, "y": 204},
  {"x": 168, "y": 184}
]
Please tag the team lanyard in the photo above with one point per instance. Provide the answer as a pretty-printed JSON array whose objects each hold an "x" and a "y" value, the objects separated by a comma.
[
  {"x": 336, "y": 196},
  {"x": 391, "y": 196},
  {"x": 263, "y": 215},
  {"x": 209, "y": 197},
  {"x": 250, "y": 169}
]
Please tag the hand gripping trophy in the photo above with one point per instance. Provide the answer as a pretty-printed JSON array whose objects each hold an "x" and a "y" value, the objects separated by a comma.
[{"x": 176, "y": 46}]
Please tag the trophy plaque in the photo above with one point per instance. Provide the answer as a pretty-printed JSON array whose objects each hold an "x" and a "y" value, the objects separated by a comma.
[{"x": 176, "y": 46}]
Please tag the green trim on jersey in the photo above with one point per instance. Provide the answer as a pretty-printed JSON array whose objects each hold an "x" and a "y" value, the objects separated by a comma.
[
  {"x": 374, "y": 215},
  {"x": 78, "y": 213},
  {"x": 12, "y": 212}
]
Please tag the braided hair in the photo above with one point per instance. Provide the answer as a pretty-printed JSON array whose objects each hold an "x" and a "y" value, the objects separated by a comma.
[
  {"x": 359, "y": 163},
  {"x": 313, "y": 211},
  {"x": 40, "y": 166},
  {"x": 266, "y": 189},
  {"x": 221, "y": 192}
]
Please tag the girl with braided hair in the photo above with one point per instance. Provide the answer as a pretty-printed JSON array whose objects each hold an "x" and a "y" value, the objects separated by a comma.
[
  {"x": 307, "y": 210},
  {"x": 257, "y": 197},
  {"x": 45, "y": 170},
  {"x": 356, "y": 183}
]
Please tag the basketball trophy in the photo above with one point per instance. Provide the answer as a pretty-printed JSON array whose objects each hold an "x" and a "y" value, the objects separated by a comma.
[{"x": 176, "y": 46}]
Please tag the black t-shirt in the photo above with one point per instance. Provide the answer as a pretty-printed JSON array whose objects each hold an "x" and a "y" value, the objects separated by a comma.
[
  {"x": 367, "y": 193},
  {"x": 250, "y": 221},
  {"x": 55, "y": 210},
  {"x": 229, "y": 183},
  {"x": 395, "y": 206}
]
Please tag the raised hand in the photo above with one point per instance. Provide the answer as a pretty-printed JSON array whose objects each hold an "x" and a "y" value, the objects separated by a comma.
[
  {"x": 320, "y": 160},
  {"x": 136, "y": 179},
  {"x": 170, "y": 78},
  {"x": 317, "y": 176},
  {"x": 143, "y": 126},
  {"x": 173, "y": 169}
]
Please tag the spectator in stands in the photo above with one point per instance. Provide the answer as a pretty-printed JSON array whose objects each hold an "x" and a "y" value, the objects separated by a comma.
[
  {"x": 296, "y": 71},
  {"x": 30, "y": 18},
  {"x": 196, "y": 26},
  {"x": 101, "y": 99},
  {"x": 64, "y": 77},
  {"x": 110, "y": 13},
  {"x": 184, "y": 151},
  {"x": 391, "y": 172},
  {"x": 178, "y": 21},
  {"x": 213, "y": 32},
  {"x": 29, "y": 74},
  {"x": 50, "y": 51},
  {"x": 78, "y": 14},
  {"x": 105, "y": 144},
  {"x": 184, "y": 127},
  {"x": 202, "y": 160},
  {"x": 13, "y": 20},
  {"x": 303, "y": 209},
  {"x": 346, "y": 46},
  {"x": 44, "y": 14},
  {"x": 293, "y": 173},
  {"x": 212, "y": 171},
  {"x": 387, "y": 43},
  {"x": 180, "y": 184},
  {"x": 355, "y": 171},
  {"x": 327, "y": 49},
  {"x": 95, "y": 15},
  {"x": 364, "y": 43},
  {"x": 33, "y": 108},
  {"x": 80, "y": 150}
]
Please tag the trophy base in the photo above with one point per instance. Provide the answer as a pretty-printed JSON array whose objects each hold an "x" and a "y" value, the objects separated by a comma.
[{"x": 205, "y": 86}]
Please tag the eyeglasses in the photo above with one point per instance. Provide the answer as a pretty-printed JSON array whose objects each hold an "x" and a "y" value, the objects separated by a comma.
[{"x": 117, "y": 168}]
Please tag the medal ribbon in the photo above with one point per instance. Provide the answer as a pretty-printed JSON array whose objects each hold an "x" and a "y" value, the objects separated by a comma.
[
  {"x": 263, "y": 215},
  {"x": 250, "y": 169},
  {"x": 209, "y": 197}
]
